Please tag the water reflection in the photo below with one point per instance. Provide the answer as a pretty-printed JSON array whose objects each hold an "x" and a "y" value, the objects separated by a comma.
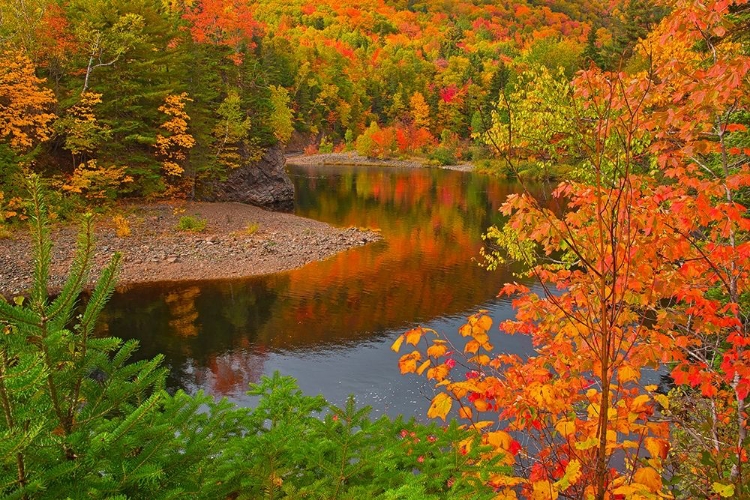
[{"x": 330, "y": 323}]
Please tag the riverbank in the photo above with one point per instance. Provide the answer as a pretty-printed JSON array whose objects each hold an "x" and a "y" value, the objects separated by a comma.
[
  {"x": 353, "y": 158},
  {"x": 238, "y": 241}
]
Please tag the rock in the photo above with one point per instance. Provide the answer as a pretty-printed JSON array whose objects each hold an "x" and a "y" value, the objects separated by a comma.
[{"x": 264, "y": 183}]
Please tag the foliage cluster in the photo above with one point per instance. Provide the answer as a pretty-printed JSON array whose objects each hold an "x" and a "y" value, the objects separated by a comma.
[
  {"x": 174, "y": 94},
  {"x": 191, "y": 223},
  {"x": 644, "y": 270}
]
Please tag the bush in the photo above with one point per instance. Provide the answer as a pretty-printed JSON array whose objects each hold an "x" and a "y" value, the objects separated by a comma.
[
  {"x": 443, "y": 156},
  {"x": 79, "y": 421},
  {"x": 191, "y": 223}
]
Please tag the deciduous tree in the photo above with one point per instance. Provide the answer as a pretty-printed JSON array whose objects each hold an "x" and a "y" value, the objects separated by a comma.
[{"x": 25, "y": 105}]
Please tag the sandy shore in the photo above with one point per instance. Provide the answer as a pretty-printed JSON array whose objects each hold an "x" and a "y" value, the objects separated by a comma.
[
  {"x": 352, "y": 158},
  {"x": 157, "y": 251}
]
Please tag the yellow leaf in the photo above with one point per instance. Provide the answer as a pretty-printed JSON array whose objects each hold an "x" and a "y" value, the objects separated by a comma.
[
  {"x": 499, "y": 439},
  {"x": 437, "y": 350},
  {"x": 481, "y": 337},
  {"x": 627, "y": 373},
  {"x": 587, "y": 444},
  {"x": 484, "y": 322},
  {"x": 662, "y": 400},
  {"x": 572, "y": 475},
  {"x": 423, "y": 367},
  {"x": 441, "y": 405},
  {"x": 498, "y": 480},
  {"x": 649, "y": 477},
  {"x": 483, "y": 424},
  {"x": 414, "y": 335},
  {"x": 543, "y": 490},
  {"x": 565, "y": 427},
  {"x": 640, "y": 403},
  {"x": 724, "y": 490},
  {"x": 397, "y": 344},
  {"x": 505, "y": 494}
]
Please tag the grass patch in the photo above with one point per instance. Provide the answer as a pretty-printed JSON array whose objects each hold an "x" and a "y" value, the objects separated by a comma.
[
  {"x": 252, "y": 228},
  {"x": 191, "y": 223}
]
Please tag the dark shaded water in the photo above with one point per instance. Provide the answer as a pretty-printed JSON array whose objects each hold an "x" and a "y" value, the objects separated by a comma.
[{"x": 331, "y": 323}]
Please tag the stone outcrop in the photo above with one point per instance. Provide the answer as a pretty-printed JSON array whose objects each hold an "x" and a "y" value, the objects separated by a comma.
[{"x": 264, "y": 183}]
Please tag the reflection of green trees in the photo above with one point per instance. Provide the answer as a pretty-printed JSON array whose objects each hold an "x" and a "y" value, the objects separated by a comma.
[
  {"x": 431, "y": 220},
  {"x": 224, "y": 317}
]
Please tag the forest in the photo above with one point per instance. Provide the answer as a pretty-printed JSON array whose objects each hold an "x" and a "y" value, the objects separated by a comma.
[
  {"x": 150, "y": 99},
  {"x": 637, "y": 110}
]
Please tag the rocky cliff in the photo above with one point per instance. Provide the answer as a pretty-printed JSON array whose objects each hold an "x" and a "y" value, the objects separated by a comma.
[{"x": 264, "y": 183}]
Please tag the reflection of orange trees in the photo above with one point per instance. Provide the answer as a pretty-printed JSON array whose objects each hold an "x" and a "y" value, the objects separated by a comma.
[
  {"x": 181, "y": 304},
  {"x": 231, "y": 372},
  {"x": 431, "y": 223}
]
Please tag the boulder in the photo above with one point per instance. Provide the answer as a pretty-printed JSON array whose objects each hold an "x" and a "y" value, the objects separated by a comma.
[{"x": 264, "y": 183}]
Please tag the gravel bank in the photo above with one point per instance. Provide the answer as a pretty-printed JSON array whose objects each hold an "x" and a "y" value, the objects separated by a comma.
[
  {"x": 157, "y": 251},
  {"x": 352, "y": 158}
]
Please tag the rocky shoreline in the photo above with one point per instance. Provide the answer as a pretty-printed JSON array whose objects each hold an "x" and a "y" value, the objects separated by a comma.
[
  {"x": 239, "y": 240},
  {"x": 353, "y": 158}
]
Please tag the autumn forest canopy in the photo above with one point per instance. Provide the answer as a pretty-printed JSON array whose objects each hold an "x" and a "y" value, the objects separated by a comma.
[
  {"x": 638, "y": 383},
  {"x": 149, "y": 98}
]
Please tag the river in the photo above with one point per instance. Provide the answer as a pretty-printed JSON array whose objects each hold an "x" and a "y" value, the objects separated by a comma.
[{"x": 330, "y": 324}]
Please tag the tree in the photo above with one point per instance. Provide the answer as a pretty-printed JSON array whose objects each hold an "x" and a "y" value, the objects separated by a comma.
[
  {"x": 172, "y": 148},
  {"x": 644, "y": 268},
  {"x": 231, "y": 134},
  {"x": 77, "y": 419},
  {"x": 280, "y": 120},
  {"x": 105, "y": 45},
  {"x": 83, "y": 132},
  {"x": 420, "y": 111},
  {"x": 25, "y": 115}
]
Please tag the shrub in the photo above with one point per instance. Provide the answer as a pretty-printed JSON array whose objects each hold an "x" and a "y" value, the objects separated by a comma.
[
  {"x": 191, "y": 223},
  {"x": 122, "y": 226},
  {"x": 79, "y": 421},
  {"x": 326, "y": 146},
  {"x": 252, "y": 228}
]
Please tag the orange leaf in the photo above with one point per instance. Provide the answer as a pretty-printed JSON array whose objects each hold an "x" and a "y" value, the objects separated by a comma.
[
  {"x": 423, "y": 367},
  {"x": 438, "y": 373},
  {"x": 437, "y": 350},
  {"x": 657, "y": 447},
  {"x": 472, "y": 347},
  {"x": 649, "y": 477},
  {"x": 627, "y": 373},
  {"x": 499, "y": 439},
  {"x": 484, "y": 322},
  {"x": 481, "y": 360},
  {"x": 414, "y": 335},
  {"x": 465, "y": 412},
  {"x": 408, "y": 362}
]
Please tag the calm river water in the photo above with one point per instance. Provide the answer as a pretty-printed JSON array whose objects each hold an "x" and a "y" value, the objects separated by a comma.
[{"x": 330, "y": 324}]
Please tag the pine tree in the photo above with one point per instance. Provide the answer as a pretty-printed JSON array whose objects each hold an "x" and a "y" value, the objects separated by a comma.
[{"x": 78, "y": 420}]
